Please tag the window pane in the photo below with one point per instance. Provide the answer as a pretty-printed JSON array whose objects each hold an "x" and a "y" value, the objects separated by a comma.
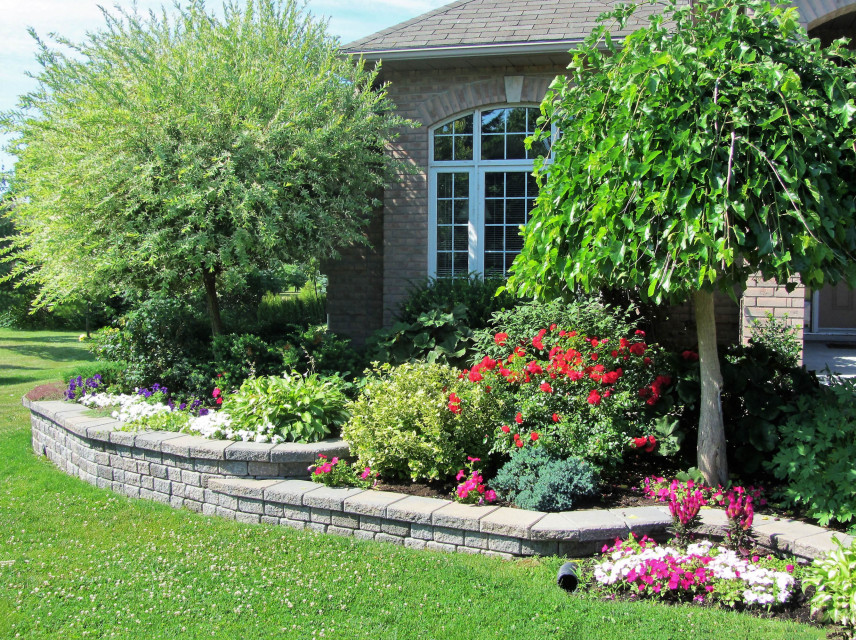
[
  {"x": 493, "y": 213},
  {"x": 514, "y": 147},
  {"x": 463, "y": 148},
  {"x": 515, "y": 183},
  {"x": 444, "y": 265},
  {"x": 444, "y": 238},
  {"x": 494, "y": 184},
  {"x": 442, "y": 148},
  {"x": 461, "y": 237},
  {"x": 493, "y": 238},
  {"x": 444, "y": 212},
  {"x": 462, "y": 211},
  {"x": 509, "y": 258},
  {"x": 444, "y": 185},
  {"x": 464, "y": 126},
  {"x": 494, "y": 264},
  {"x": 513, "y": 239},
  {"x": 462, "y": 264},
  {"x": 531, "y": 186},
  {"x": 462, "y": 185},
  {"x": 493, "y": 121},
  {"x": 539, "y": 148},
  {"x": 516, "y": 122},
  {"x": 493, "y": 147},
  {"x": 515, "y": 212}
]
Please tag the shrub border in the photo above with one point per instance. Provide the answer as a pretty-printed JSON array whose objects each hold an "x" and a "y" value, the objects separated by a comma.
[{"x": 266, "y": 483}]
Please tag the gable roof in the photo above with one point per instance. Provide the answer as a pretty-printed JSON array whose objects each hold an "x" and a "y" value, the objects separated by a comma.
[{"x": 488, "y": 24}]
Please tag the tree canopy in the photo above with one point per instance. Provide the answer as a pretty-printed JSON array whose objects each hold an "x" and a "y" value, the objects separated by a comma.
[
  {"x": 717, "y": 142},
  {"x": 169, "y": 149}
]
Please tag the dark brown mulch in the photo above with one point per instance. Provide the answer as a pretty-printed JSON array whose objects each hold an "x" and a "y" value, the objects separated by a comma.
[{"x": 52, "y": 391}]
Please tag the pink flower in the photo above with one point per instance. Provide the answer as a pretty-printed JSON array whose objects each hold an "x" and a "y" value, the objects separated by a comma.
[
  {"x": 366, "y": 473},
  {"x": 490, "y": 495},
  {"x": 789, "y": 568},
  {"x": 461, "y": 475},
  {"x": 216, "y": 392}
]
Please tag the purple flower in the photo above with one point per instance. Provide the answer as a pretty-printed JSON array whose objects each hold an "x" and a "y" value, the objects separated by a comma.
[{"x": 203, "y": 412}]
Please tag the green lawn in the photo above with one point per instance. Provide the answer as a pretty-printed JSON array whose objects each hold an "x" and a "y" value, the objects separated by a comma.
[{"x": 79, "y": 562}]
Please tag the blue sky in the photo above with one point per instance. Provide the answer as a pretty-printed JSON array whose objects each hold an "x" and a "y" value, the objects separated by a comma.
[{"x": 349, "y": 19}]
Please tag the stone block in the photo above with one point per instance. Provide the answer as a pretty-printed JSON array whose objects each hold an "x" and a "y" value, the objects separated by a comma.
[
  {"x": 713, "y": 522},
  {"x": 227, "y": 502},
  {"x": 296, "y": 513},
  {"x": 209, "y": 509},
  {"x": 293, "y": 470},
  {"x": 273, "y": 510},
  {"x": 176, "y": 502},
  {"x": 476, "y": 539},
  {"x": 394, "y": 528},
  {"x": 103, "y": 483},
  {"x": 820, "y": 544},
  {"x": 504, "y": 544},
  {"x": 372, "y": 503},
  {"x": 132, "y": 479},
  {"x": 241, "y": 487},
  {"x": 270, "y": 520},
  {"x": 233, "y": 467},
  {"x": 158, "y": 470},
  {"x": 468, "y": 550},
  {"x": 321, "y": 516},
  {"x": 579, "y": 549},
  {"x": 104, "y": 471},
  {"x": 158, "y": 496},
  {"x": 164, "y": 486},
  {"x": 415, "y": 509},
  {"x": 206, "y": 466},
  {"x": 330, "y": 497},
  {"x": 317, "y": 527},
  {"x": 147, "y": 494},
  {"x": 249, "y": 451},
  {"x": 191, "y": 478},
  {"x": 151, "y": 440},
  {"x": 415, "y": 543},
  {"x": 539, "y": 547},
  {"x": 180, "y": 446},
  {"x": 194, "y": 493},
  {"x": 361, "y": 534},
  {"x": 499, "y": 554},
  {"x": 346, "y": 520},
  {"x": 308, "y": 453},
  {"x": 554, "y": 526},
  {"x": 596, "y": 525},
  {"x": 263, "y": 469},
  {"x": 370, "y": 523},
  {"x": 510, "y": 522},
  {"x": 173, "y": 474},
  {"x": 440, "y": 546},
  {"x": 448, "y": 535},
  {"x": 247, "y": 518},
  {"x": 222, "y": 512},
  {"x": 251, "y": 505},
  {"x": 193, "y": 505},
  {"x": 290, "y": 491},
  {"x": 123, "y": 437},
  {"x": 784, "y": 534},
  {"x": 340, "y": 531},
  {"x": 461, "y": 516},
  {"x": 147, "y": 482},
  {"x": 208, "y": 450},
  {"x": 293, "y": 524},
  {"x": 385, "y": 537}
]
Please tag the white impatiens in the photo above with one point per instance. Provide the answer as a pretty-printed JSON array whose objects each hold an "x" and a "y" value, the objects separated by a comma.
[{"x": 702, "y": 570}]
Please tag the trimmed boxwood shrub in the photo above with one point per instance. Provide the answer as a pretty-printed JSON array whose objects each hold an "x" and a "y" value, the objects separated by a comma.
[{"x": 420, "y": 421}]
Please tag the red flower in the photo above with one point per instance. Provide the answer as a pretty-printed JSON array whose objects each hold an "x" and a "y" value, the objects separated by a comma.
[
  {"x": 647, "y": 360},
  {"x": 500, "y": 338},
  {"x": 518, "y": 418},
  {"x": 640, "y": 442},
  {"x": 613, "y": 353},
  {"x": 594, "y": 397},
  {"x": 533, "y": 436},
  {"x": 595, "y": 342},
  {"x": 562, "y": 333},
  {"x": 219, "y": 401},
  {"x": 519, "y": 443},
  {"x": 219, "y": 375},
  {"x": 610, "y": 378},
  {"x": 690, "y": 356},
  {"x": 505, "y": 428},
  {"x": 556, "y": 417},
  {"x": 454, "y": 403},
  {"x": 519, "y": 351},
  {"x": 639, "y": 332},
  {"x": 475, "y": 376},
  {"x": 552, "y": 327},
  {"x": 594, "y": 356},
  {"x": 637, "y": 348},
  {"x": 546, "y": 388},
  {"x": 652, "y": 442},
  {"x": 571, "y": 334}
]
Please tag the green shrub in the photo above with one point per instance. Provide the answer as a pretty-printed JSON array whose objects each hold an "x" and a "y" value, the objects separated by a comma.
[
  {"x": 535, "y": 479},
  {"x": 315, "y": 349},
  {"x": 477, "y": 296},
  {"x": 406, "y": 424},
  {"x": 435, "y": 336},
  {"x": 292, "y": 408},
  {"x": 111, "y": 372},
  {"x": 279, "y": 314},
  {"x": 778, "y": 338},
  {"x": 816, "y": 453},
  {"x": 240, "y": 356},
  {"x": 834, "y": 580},
  {"x": 588, "y": 316}
]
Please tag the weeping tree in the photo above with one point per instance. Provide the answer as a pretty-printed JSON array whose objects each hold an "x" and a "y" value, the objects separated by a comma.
[
  {"x": 169, "y": 151},
  {"x": 713, "y": 144}
]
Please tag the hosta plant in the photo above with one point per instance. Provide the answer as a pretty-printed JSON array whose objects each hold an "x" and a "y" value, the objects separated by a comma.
[
  {"x": 834, "y": 580},
  {"x": 292, "y": 408}
]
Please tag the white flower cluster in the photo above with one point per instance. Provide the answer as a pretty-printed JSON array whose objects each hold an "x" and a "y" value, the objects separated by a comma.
[
  {"x": 761, "y": 586},
  {"x": 216, "y": 425}
]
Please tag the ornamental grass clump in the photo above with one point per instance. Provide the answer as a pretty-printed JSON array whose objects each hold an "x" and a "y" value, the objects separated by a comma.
[
  {"x": 701, "y": 573},
  {"x": 834, "y": 580}
]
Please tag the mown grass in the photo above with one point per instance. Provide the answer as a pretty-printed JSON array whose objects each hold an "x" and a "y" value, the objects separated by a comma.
[{"x": 79, "y": 562}]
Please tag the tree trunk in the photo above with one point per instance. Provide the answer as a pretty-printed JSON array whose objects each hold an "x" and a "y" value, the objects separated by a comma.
[
  {"x": 209, "y": 278},
  {"x": 711, "y": 430}
]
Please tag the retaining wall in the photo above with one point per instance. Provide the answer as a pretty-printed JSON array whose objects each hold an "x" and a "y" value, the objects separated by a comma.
[{"x": 265, "y": 483}]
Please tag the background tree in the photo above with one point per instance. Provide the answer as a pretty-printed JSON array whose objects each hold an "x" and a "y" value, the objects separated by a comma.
[
  {"x": 168, "y": 150},
  {"x": 715, "y": 143}
]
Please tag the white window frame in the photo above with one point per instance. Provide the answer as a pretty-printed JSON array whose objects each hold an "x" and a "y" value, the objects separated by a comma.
[{"x": 476, "y": 168}]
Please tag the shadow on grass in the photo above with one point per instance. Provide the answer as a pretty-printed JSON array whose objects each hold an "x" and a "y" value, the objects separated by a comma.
[
  {"x": 45, "y": 352},
  {"x": 8, "y": 381}
]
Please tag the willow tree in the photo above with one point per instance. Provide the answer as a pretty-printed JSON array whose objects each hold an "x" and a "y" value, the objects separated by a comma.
[
  {"x": 171, "y": 150},
  {"x": 714, "y": 143}
]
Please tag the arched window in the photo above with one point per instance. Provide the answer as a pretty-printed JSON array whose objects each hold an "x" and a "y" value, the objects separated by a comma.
[{"x": 481, "y": 190}]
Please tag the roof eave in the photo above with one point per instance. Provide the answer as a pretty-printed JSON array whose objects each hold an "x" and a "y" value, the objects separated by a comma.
[{"x": 430, "y": 53}]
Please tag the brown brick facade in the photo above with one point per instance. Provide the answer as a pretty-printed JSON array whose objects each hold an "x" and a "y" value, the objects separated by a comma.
[{"x": 764, "y": 296}]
